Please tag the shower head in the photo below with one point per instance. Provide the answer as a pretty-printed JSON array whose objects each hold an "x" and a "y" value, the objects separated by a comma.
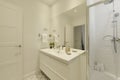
[{"x": 108, "y": 1}]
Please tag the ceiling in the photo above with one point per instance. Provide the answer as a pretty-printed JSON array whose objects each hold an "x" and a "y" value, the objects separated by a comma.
[{"x": 49, "y": 2}]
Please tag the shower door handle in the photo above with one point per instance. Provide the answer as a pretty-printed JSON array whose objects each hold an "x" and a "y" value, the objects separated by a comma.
[{"x": 115, "y": 44}]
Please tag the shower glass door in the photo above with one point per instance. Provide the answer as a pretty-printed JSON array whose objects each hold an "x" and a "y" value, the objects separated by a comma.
[{"x": 104, "y": 62}]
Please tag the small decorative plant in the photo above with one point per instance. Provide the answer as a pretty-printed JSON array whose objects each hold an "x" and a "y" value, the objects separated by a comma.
[{"x": 51, "y": 43}]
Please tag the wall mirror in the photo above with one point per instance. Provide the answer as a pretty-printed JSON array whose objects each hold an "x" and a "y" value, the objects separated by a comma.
[{"x": 72, "y": 25}]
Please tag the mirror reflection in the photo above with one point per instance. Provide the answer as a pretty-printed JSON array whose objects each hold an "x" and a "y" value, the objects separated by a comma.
[{"x": 71, "y": 26}]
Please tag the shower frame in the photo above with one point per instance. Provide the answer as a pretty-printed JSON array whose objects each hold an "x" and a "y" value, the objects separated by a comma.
[{"x": 88, "y": 36}]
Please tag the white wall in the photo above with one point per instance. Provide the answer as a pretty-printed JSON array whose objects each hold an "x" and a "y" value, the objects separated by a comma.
[
  {"x": 36, "y": 18},
  {"x": 64, "y": 5}
]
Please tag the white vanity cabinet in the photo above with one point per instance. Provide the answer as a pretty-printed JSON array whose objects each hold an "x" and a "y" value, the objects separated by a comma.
[{"x": 60, "y": 66}]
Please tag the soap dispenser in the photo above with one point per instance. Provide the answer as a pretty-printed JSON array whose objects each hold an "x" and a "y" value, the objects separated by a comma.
[{"x": 67, "y": 49}]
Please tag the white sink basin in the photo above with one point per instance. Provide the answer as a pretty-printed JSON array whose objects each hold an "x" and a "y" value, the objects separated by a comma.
[{"x": 61, "y": 55}]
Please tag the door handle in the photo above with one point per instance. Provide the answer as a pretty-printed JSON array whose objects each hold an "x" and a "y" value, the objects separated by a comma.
[
  {"x": 19, "y": 46},
  {"x": 19, "y": 51}
]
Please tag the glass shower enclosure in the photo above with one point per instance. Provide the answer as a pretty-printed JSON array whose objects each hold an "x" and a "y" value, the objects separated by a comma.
[{"x": 104, "y": 40}]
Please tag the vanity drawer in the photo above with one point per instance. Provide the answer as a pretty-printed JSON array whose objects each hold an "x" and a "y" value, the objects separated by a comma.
[
  {"x": 58, "y": 70},
  {"x": 53, "y": 68}
]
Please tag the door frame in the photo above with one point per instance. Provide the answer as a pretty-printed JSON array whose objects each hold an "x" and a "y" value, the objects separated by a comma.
[{"x": 82, "y": 25}]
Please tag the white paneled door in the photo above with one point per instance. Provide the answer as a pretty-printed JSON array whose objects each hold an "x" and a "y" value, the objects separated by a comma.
[{"x": 10, "y": 42}]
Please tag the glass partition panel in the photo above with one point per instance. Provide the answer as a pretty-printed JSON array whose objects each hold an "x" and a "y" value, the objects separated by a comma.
[{"x": 104, "y": 43}]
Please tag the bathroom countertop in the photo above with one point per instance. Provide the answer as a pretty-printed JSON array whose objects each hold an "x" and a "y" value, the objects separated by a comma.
[{"x": 61, "y": 55}]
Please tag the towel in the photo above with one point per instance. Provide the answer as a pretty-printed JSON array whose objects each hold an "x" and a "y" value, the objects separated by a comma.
[{"x": 45, "y": 38}]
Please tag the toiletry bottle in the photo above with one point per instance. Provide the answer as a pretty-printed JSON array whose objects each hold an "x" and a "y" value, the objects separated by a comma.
[{"x": 67, "y": 49}]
